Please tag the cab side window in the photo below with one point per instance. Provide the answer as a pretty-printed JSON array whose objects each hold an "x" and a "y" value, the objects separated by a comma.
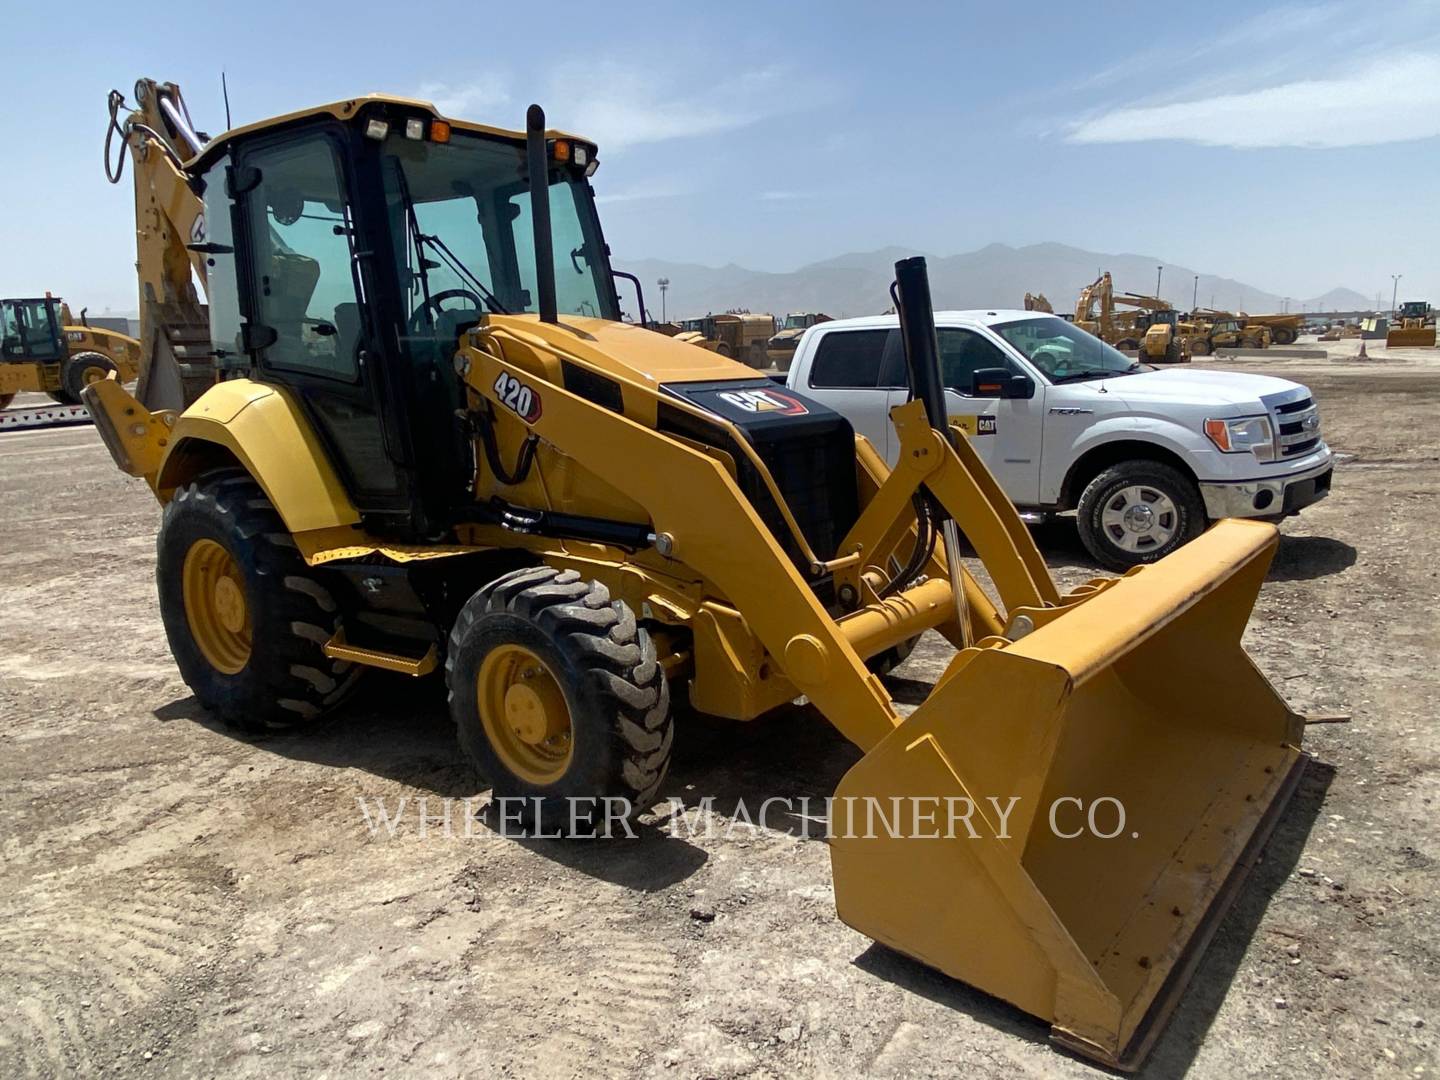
[
  {"x": 964, "y": 352},
  {"x": 849, "y": 360}
]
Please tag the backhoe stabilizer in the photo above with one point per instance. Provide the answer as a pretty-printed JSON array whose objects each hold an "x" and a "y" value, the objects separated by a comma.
[
  {"x": 1063, "y": 822},
  {"x": 135, "y": 436}
]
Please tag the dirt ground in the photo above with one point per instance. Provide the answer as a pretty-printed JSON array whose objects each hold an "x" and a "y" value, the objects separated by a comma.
[{"x": 177, "y": 900}]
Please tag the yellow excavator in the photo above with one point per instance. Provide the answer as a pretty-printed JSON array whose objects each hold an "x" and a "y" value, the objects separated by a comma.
[
  {"x": 42, "y": 348},
  {"x": 416, "y": 436}
]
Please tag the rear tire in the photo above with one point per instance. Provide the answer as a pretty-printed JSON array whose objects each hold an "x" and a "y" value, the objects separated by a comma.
[
  {"x": 260, "y": 666},
  {"x": 614, "y": 738},
  {"x": 1138, "y": 512},
  {"x": 82, "y": 369},
  {"x": 1200, "y": 347}
]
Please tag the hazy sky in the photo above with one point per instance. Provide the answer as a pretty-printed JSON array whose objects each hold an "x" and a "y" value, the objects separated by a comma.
[{"x": 1295, "y": 148}]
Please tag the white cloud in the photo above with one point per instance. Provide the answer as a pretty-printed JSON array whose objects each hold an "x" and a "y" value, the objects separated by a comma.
[
  {"x": 644, "y": 193},
  {"x": 620, "y": 107},
  {"x": 474, "y": 100},
  {"x": 1394, "y": 98}
]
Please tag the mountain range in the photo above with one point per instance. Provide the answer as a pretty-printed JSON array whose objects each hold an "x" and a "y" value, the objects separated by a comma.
[{"x": 994, "y": 276}]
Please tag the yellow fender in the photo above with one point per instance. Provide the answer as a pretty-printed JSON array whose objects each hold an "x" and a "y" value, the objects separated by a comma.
[{"x": 259, "y": 426}]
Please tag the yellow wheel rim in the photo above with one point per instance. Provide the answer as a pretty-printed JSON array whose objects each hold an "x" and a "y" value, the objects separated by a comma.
[
  {"x": 215, "y": 606},
  {"x": 92, "y": 373},
  {"x": 524, "y": 714}
]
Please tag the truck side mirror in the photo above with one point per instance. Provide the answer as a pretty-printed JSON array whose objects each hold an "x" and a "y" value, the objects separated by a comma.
[{"x": 1001, "y": 383}]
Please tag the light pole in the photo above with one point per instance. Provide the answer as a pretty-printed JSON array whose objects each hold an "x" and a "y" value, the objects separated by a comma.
[
  {"x": 1394, "y": 291},
  {"x": 664, "y": 284},
  {"x": 1195, "y": 295},
  {"x": 1158, "y": 271}
]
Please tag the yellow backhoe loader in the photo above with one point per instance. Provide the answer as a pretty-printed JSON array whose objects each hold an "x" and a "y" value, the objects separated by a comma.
[
  {"x": 43, "y": 349},
  {"x": 417, "y": 436}
]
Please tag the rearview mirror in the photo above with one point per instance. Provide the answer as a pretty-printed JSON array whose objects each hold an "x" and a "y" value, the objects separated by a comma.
[{"x": 1001, "y": 383}]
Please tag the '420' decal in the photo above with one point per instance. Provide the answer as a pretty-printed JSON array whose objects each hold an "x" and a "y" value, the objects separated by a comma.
[{"x": 514, "y": 394}]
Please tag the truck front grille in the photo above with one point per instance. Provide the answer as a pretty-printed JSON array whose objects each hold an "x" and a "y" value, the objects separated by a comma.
[{"x": 1297, "y": 427}]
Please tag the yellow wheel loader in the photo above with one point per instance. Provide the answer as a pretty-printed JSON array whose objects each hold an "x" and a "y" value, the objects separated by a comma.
[
  {"x": 42, "y": 349},
  {"x": 1415, "y": 329},
  {"x": 416, "y": 436}
]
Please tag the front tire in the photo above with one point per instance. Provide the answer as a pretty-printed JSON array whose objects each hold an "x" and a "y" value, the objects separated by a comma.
[
  {"x": 82, "y": 369},
  {"x": 247, "y": 620},
  {"x": 1138, "y": 512},
  {"x": 558, "y": 698},
  {"x": 1200, "y": 347}
]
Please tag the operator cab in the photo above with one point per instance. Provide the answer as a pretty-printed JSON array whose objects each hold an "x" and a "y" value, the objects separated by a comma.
[
  {"x": 30, "y": 331},
  {"x": 347, "y": 251}
]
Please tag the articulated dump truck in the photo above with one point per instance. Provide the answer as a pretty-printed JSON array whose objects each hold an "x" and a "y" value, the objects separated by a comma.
[{"x": 411, "y": 433}]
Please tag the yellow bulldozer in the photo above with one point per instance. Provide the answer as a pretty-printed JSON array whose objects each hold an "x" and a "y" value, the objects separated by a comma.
[
  {"x": 416, "y": 437},
  {"x": 43, "y": 349},
  {"x": 1414, "y": 327}
]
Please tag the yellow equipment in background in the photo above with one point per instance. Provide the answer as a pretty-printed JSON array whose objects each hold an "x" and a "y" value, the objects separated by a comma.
[
  {"x": 1416, "y": 327},
  {"x": 43, "y": 350},
  {"x": 405, "y": 461},
  {"x": 738, "y": 335}
]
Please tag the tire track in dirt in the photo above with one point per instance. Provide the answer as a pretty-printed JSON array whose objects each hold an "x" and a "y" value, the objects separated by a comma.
[{"x": 85, "y": 961}]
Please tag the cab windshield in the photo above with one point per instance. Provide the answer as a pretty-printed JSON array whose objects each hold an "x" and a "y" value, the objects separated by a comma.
[
  {"x": 1063, "y": 351},
  {"x": 463, "y": 240},
  {"x": 796, "y": 322},
  {"x": 30, "y": 330}
]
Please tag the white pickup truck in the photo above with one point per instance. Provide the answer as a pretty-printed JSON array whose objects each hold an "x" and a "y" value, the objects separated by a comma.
[{"x": 1147, "y": 457}]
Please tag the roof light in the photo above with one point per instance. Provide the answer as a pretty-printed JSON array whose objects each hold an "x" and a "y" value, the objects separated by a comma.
[
  {"x": 439, "y": 131},
  {"x": 415, "y": 128},
  {"x": 560, "y": 150},
  {"x": 580, "y": 155},
  {"x": 377, "y": 130},
  {"x": 590, "y": 169}
]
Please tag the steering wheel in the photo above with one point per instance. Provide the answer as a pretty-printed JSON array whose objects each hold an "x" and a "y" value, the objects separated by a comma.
[
  {"x": 436, "y": 299},
  {"x": 1052, "y": 362}
]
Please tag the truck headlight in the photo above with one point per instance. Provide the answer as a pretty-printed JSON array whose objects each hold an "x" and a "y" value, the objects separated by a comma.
[{"x": 1250, "y": 433}]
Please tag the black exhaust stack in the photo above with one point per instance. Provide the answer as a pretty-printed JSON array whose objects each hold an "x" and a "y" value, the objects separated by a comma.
[
  {"x": 537, "y": 156},
  {"x": 917, "y": 332}
]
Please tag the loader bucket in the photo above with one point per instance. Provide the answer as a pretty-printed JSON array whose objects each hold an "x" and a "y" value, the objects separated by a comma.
[
  {"x": 1410, "y": 337},
  {"x": 1139, "y": 696}
]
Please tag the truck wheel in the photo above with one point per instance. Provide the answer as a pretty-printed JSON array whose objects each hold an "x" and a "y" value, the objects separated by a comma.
[
  {"x": 1174, "y": 353},
  {"x": 1200, "y": 347},
  {"x": 558, "y": 698},
  {"x": 82, "y": 369},
  {"x": 5, "y": 400},
  {"x": 247, "y": 620},
  {"x": 1137, "y": 512},
  {"x": 1128, "y": 343}
]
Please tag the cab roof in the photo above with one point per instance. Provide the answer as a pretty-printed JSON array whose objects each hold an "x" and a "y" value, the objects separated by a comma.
[{"x": 351, "y": 108}]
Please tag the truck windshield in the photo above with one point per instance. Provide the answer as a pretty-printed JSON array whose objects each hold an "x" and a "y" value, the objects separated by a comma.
[
  {"x": 463, "y": 241},
  {"x": 1063, "y": 351}
]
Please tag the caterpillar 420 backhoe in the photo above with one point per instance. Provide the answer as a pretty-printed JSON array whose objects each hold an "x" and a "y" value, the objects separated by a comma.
[{"x": 415, "y": 434}]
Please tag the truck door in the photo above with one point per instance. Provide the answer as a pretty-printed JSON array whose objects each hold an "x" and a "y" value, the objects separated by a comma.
[
  {"x": 1006, "y": 432},
  {"x": 845, "y": 374}
]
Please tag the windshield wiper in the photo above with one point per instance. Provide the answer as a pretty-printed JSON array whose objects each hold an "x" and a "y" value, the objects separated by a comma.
[
  {"x": 461, "y": 270},
  {"x": 1088, "y": 373}
]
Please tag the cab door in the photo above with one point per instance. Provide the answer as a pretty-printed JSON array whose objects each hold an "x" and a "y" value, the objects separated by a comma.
[{"x": 306, "y": 319}]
